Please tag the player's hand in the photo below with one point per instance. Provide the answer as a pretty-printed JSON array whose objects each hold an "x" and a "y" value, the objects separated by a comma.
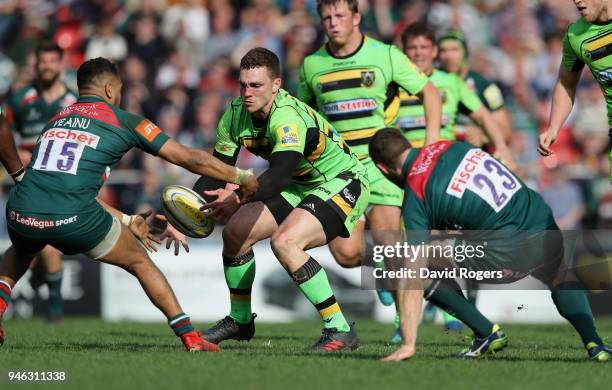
[
  {"x": 143, "y": 232},
  {"x": 404, "y": 352},
  {"x": 172, "y": 236},
  {"x": 248, "y": 188},
  {"x": 222, "y": 208},
  {"x": 547, "y": 138},
  {"x": 504, "y": 155}
]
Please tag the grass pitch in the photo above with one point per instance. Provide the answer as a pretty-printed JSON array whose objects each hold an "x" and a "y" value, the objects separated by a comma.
[{"x": 99, "y": 355}]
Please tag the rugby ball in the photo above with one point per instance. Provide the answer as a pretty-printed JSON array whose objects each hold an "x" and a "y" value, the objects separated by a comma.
[{"x": 182, "y": 208}]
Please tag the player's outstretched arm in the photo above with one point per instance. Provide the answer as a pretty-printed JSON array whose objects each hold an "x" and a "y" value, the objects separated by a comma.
[
  {"x": 563, "y": 96},
  {"x": 410, "y": 302},
  {"x": 203, "y": 163},
  {"x": 483, "y": 117},
  {"x": 137, "y": 225},
  {"x": 433, "y": 112},
  {"x": 8, "y": 151}
]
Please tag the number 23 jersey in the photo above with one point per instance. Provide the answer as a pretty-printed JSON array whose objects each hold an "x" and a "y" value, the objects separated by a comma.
[
  {"x": 75, "y": 153},
  {"x": 454, "y": 185}
]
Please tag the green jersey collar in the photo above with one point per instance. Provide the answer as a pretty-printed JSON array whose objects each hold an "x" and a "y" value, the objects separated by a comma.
[{"x": 363, "y": 39}]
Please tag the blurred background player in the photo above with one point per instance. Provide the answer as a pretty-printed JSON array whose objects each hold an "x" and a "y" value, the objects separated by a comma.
[
  {"x": 586, "y": 42},
  {"x": 419, "y": 44},
  {"x": 29, "y": 109},
  {"x": 453, "y": 58},
  {"x": 352, "y": 81},
  {"x": 56, "y": 201}
]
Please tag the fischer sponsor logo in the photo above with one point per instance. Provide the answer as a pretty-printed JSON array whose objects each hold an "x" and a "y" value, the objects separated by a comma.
[
  {"x": 467, "y": 168},
  {"x": 349, "y": 106},
  {"x": 82, "y": 137},
  {"x": 430, "y": 153},
  {"x": 40, "y": 224}
]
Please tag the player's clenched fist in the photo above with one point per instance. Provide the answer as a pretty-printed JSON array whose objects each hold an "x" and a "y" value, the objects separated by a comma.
[{"x": 547, "y": 138}]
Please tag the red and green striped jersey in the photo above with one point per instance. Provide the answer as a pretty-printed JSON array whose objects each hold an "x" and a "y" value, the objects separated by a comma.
[
  {"x": 28, "y": 112},
  {"x": 75, "y": 153},
  {"x": 454, "y": 185},
  {"x": 591, "y": 44}
]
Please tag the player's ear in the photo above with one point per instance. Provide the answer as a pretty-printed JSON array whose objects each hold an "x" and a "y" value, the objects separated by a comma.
[
  {"x": 383, "y": 168},
  {"x": 356, "y": 19},
  {"x": 108, "y": 91},
  {"x": 276, "y": 84}
]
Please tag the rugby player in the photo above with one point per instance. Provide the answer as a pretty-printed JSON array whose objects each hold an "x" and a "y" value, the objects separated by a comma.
[
  {"x": 353, "y": 82},
  {"x": 55, "y": 202},
  {"x": 314, "y": 191},
  {"x": 586, "y": 42},
  {"x": 419, "y": 44},
  {"x": 9, "y": 156},
  {"x": 456, "y": 186},
  {"x": 28, "y": 110},
  {"x": 454, "y": 58}
]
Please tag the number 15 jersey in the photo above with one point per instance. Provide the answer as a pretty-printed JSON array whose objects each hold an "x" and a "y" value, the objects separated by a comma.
[
  {"x": 454, "y": 185},
  {"x": 75, "y": 153}
]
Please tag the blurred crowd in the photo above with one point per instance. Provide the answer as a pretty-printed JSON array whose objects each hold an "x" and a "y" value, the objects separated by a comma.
[{"x": 179, "y": 58}]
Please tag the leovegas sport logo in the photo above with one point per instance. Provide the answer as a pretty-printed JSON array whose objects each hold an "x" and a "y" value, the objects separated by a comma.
[{"x": 148, "y": 129}]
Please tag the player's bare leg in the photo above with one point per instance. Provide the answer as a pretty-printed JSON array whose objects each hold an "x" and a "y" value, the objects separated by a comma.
[
  {"x": 299, "y": 232},
  {"x": 49, "y": 269},
  {"x": 12, "y": 267},
  {"x": 252, "y": 222},
  {"x": 131, "y": 256},
  {"x": 350, "y": 252}
]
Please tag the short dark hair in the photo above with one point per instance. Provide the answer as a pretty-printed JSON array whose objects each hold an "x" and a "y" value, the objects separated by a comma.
[
  {"x": 48, "y": 46},
  {"x": 260, "y": 57},
  {"x": 91, "y": 69},
  {"x": 386, "y": 146},
  {"x": 419, "y": 29},
  {"x": 352, "y": 4}
]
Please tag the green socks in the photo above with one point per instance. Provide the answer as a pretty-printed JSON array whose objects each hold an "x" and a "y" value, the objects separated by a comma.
[
  {"x": 312, "y": 281},
  {"x": 239, "y": 275},
  {"x": 180, "y": 324},
  {"x": 448, "y": 296},
  {"x": 572, "y": 303},
  {"x": 55, "y": 305}
]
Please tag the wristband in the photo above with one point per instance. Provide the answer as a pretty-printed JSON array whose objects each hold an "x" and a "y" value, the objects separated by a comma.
[
  {"x": 242, "y": 174},
  {"x": 126, "y": 219},
  {"x": 18, "y": 176}
]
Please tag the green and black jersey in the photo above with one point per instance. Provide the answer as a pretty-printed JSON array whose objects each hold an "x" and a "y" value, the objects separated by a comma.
[
  {"x": 357, "y": 93},
  {"x": 489, "y": 94},
  {"x": 291, "y": 126},
  {"x": 591, "y": 44},
  {"x": 456, "y": 97},
  {"x": 75, "y": 153},
  {"x": 28, "y": 112}
]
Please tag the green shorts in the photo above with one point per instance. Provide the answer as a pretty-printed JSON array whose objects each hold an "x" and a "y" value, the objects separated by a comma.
[
  {"x": 382, "y": 191},
  {"x": 337, "y": 202},
  {"x": 515, "y": 256},
  {"x": 70, "y": 233}
]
